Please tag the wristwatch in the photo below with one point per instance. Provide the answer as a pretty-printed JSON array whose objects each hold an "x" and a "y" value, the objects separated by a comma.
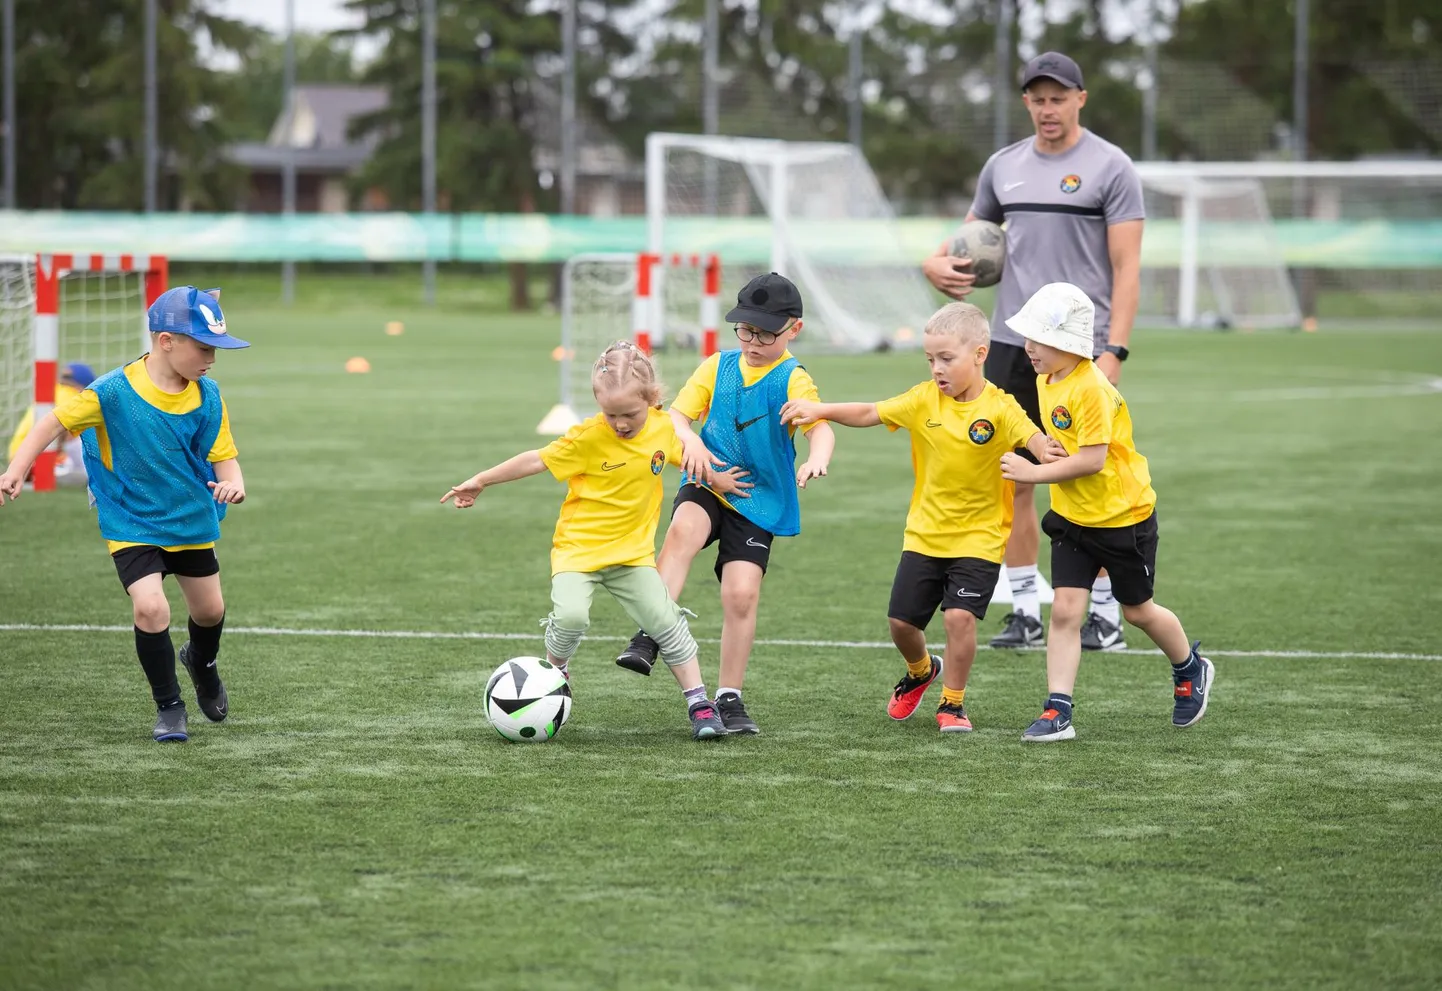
[{"x": 1119, "y": 350}]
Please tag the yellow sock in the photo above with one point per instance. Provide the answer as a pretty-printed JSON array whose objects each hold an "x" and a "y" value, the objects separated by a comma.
[
  {"x": 953, "y": 696},
  {"x": 921, "y": 668}
]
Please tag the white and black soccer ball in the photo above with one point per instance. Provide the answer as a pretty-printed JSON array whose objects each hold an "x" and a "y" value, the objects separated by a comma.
[
  {"x": 985, "y": 244},
  {"x": 528, "y": 700}
]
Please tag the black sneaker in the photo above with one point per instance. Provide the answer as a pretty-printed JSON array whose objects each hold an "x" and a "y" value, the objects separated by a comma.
[
  {"x": 1020, "y": 631},
  {"x": 734, "y": 715},
  {"x": 170, "y": 725},
  {"x": 216, "y": 704},
  {"x": 705, "y": 722},
  {"x": 640, "y": 654},
  {"x": 1100, "y": 633}
]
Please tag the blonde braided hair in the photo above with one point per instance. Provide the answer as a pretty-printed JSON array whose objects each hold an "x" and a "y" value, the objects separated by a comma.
[{"x": 625, "y": 366}]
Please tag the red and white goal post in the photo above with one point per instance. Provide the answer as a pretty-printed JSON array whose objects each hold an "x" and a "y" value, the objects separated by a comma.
[
  {"x": 669, "y": 305},
  {"x": 87, "y": 308}
]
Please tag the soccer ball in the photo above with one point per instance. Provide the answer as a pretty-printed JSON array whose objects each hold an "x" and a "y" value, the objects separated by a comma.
[
  {"x": 528, "y": 700},
  {"x": 985, "y": 244}
]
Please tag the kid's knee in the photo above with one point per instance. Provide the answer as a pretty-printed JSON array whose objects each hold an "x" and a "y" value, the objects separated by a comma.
[
  {"x": 210, "y": 612},
  {"x": 1139, "y": 614},
  {"x": 152, "y": 613},
  {"x": 567, "y": 617},
  {"x": 901, "y": 628},
  {"x": 739, "y": 602},
  {"x": 1068, "y": 610},
  {"x": 959, "y": 622}
]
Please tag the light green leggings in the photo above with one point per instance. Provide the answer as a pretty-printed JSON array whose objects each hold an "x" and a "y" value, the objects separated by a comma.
[{"x": 640, "y": 592}]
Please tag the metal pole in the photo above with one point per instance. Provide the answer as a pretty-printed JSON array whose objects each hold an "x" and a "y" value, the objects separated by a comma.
[
  {"x": 428, "y": 136},
  {"x": 287, "y": 178},
  {"x": 1149, "y": 97},
  {"x": 568, "y": 107},
  {"x": 853, "y": 85},
  {"x": 1001, "y": 83},
  {"x": 152, "y": 153},
  {"x": 1299, "y": 82},
  {"x": 7, "y": 56},
  {"x": 710, "y": 107}
]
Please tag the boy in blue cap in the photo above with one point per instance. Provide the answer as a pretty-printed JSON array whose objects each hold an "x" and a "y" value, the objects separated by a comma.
[{"x": 162, "y": 468}]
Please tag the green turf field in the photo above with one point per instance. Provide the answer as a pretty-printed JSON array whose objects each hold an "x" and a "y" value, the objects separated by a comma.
[{"x": 355, "y": 824}]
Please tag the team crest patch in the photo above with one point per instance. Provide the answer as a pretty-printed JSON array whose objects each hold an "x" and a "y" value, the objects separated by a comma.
[
  {"x": 980, "y": 431},
  {"x": 658, "y": 461},
  {"x": 1071, "y": 184},
  {"x": 1061, "y": 417}
]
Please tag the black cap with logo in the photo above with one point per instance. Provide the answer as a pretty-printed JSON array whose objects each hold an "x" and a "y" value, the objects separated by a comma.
[
  {"x": 767, "y": 302},
  {"x": 1053, "y": 65}
]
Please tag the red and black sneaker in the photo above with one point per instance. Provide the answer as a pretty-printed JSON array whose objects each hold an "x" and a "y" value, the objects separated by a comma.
[
  {"x": 906, "y": 696},
  {"x": 952, "y": 719}
]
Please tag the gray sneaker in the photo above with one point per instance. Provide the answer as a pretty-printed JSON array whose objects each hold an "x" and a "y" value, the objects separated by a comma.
[
  {"x": 216, "y": 706},
  {"x": 1020, "y": 631},
  {"x": 170, "y": 725},
  {"x": 1100, "y": 633}
]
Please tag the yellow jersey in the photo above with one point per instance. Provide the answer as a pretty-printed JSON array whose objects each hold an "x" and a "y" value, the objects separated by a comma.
[
  {"x": 614, "y": 492},
  {"x": 63, "y": 395},
  {"x": 82, "y": 412},
  {"x": 1085, "y": 410},
  {"x": 960, "y": 504}
]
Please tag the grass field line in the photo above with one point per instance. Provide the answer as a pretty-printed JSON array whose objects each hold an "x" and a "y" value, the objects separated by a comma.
[{"x": 280, "y": 631}]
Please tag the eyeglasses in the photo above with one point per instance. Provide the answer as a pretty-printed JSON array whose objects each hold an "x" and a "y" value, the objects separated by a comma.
[{"x": 748, "y": 334}]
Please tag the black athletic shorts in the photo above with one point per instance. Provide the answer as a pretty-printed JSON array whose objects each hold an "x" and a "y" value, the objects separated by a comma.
[
  {"x": 1009, "y": 369},
  {"x": 922, "y": 583},
  {"x": 741, "y": 540},
  {"x": 1129, "y": 553},
  {"x": 134, "y": 563}
]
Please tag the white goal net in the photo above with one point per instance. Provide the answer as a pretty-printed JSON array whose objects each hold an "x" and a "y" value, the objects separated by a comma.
[
  {"x": 812, "y": 211},
  {"x": 17, "y": 362}
]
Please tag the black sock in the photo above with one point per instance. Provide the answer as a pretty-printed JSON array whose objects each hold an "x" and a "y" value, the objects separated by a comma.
[
  {"x": 157, "y": 658},
  {"x": 1061, "y": 703},
  {"x": 204, "y": 647}
]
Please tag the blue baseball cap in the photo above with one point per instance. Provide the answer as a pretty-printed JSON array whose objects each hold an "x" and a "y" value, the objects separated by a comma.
[
  {"x": 82, "y": 374},
  {"x": 195, "y": 313}
]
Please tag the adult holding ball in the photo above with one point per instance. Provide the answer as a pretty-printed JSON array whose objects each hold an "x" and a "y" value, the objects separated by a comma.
[{"x": 1072, "y": 203}]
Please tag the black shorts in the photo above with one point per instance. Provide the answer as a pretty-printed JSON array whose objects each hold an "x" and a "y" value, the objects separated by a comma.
[
  {"x": 1009, "y": 369},
  {"x": 741, "y": 540},
  {"x": 1129, "y": 553},
  {"x": 134, "y": 563},
  {"x": 922, "y": 583}
]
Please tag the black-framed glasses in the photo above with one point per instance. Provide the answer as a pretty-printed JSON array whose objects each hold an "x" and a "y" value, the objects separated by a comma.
[{"x": 747, "y": 333}]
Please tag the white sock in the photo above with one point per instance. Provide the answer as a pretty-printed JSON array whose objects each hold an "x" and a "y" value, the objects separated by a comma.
[
  {"x": 1024, "y": 597},
  {"x": 1104, "y": 604},
  {"x": 728, "y": 691}
]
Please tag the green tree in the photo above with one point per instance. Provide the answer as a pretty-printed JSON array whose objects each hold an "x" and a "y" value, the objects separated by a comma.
[
  {"x": 80, "y": 82},
  {"x": 319, "y": 58}
]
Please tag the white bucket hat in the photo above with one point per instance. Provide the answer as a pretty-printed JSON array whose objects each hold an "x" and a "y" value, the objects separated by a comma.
[{"x": 1058, "y": 315}]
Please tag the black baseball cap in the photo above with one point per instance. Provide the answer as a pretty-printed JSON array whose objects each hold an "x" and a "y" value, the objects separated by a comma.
[
  {"x": 767, "y": 302},
  {"x": 1053, "y": 65}
]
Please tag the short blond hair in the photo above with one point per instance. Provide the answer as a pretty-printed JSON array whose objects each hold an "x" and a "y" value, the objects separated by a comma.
[
  {"x": 625, "y": 366},
  {"x": 965, "y": 322}
]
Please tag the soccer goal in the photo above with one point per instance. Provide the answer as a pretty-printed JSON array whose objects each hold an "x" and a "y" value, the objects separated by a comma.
[
  {"x": 64, "y": 308},
  {"x": 608, "y": 297},
  {"x": 812, "y": 211}
]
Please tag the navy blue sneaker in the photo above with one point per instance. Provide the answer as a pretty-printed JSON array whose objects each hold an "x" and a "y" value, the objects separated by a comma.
[
  {"x": 1189, "y": 695},
  {"x": 1050, "y": 727},
  {"x": 170, "y": 725},
  {"x": 706, "y": 722}
]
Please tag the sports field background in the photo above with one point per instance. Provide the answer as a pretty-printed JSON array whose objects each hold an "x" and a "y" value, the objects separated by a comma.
[{"x": 356, "y": 824}]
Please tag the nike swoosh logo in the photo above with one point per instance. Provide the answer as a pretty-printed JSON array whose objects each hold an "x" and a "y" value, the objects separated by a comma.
[
  {"x": 932, "y": 423},
  {"x": 969, "y": 595},
  {"x": 606, "y": 467},
  {"x": 211, "y": 664},
  {"x": 742, "y": 426},
  {"x": 1012, "y": 185},
  {"x": 751, "y": 542}
]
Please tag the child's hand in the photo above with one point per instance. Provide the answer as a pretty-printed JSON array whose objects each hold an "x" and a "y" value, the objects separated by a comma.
[
  {"x": 1015, "y": 468},
  {"x": 696, "y": 461},
  {"x": 1054, "y": 451},
  {"x": 227, "y": 492},
  {"x": 800, "y": 412},
  {"x": 729, "y": 482},
  {"x": 811, "y": 469},
  {"x": 10, "y": 485},
  {"x": 465, "y": 494}
]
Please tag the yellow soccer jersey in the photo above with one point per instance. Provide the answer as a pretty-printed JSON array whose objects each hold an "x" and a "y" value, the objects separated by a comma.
[
  {"x": 1084, "y": 410},
  {"x": 63, "y": 395},
  {"x": 694, "y": 399},
  {"x": 614, "y": 493},
  {"x": 960, "y": 504},
  {"x": 83, "y": 412}
]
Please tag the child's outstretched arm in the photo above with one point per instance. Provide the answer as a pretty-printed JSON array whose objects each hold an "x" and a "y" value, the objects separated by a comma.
[
  {"x": 1086, "y": 461},
  {"x": 696, "y": 460},
  {"x": 800, "y": 412},
  {"x": 229, "y": 484},
  {"x": 1045, "y": 449},
  {"x": 41, "y": 436},
  {"x": 821, "y": 443},
  {"x": 523, "y": 465}
]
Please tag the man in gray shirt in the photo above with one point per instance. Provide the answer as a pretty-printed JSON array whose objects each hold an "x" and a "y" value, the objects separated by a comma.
[{"x": 1072, "y": 204}]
